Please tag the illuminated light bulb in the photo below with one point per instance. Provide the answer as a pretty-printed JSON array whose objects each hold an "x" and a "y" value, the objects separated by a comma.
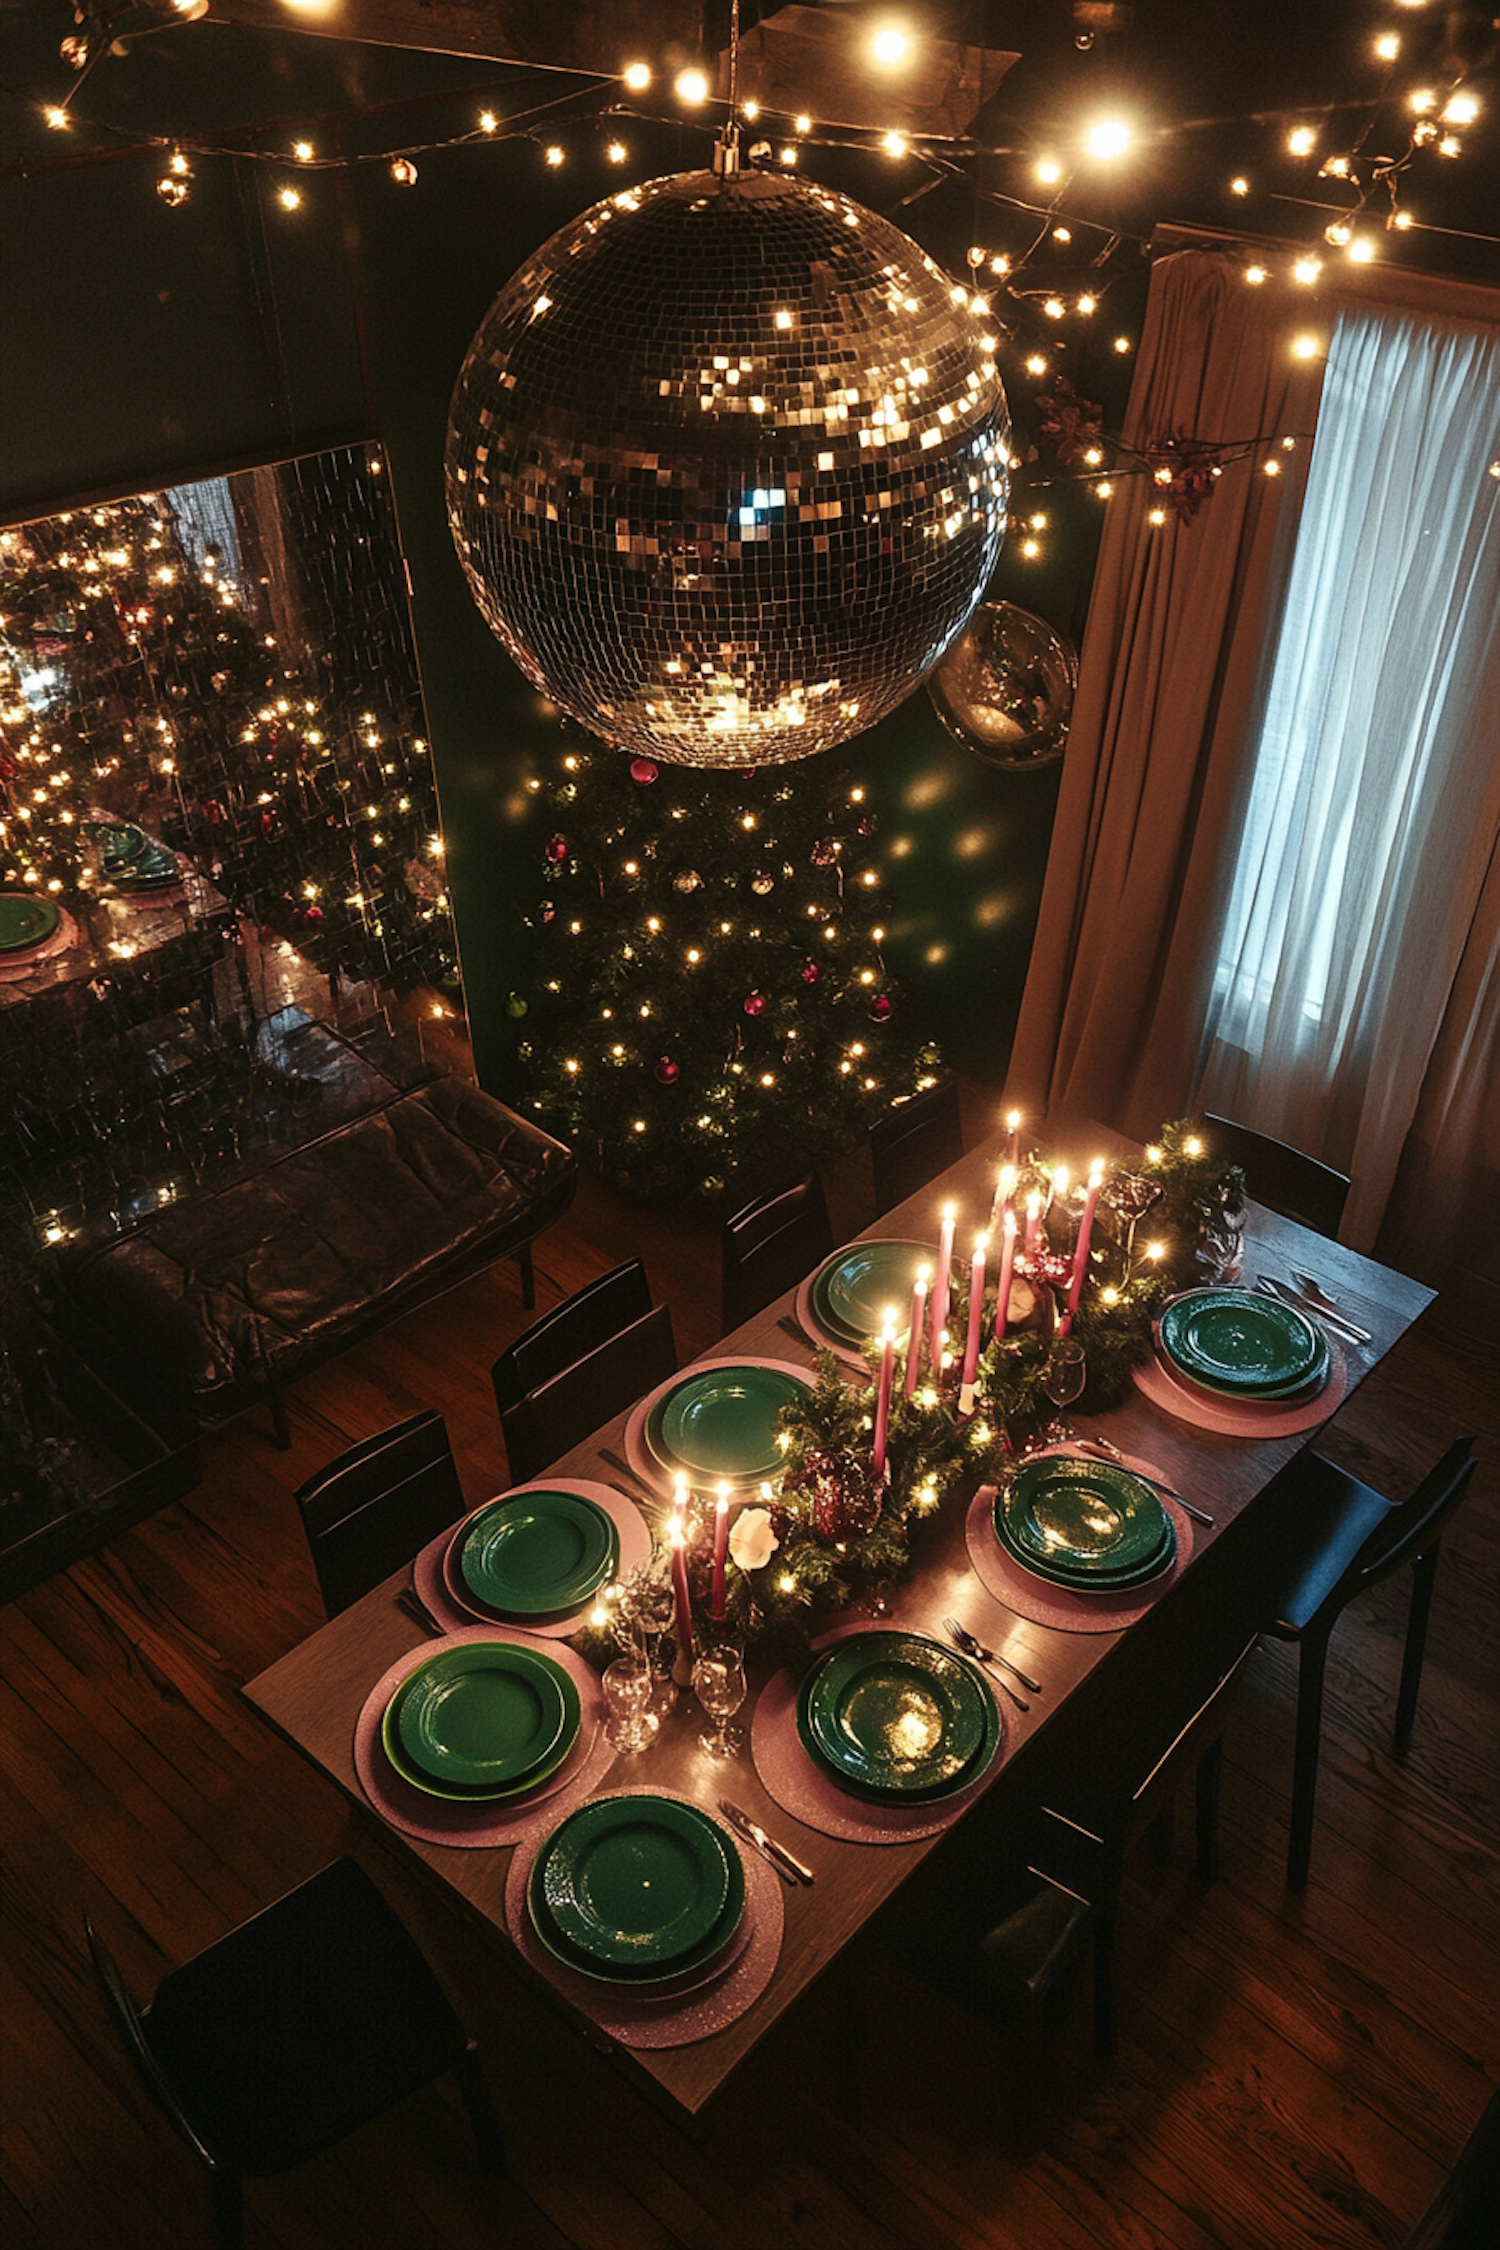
[
  {"x": 1031, "y": 548},
  {"x": 1000, "y": 264},
  {"x": 1255, "y": 275},
  {"x": 1062, "y": 235},
  {"x": 1163, "y": 475},
  {"x": 172, "y": 192},
  {"x": 691, "y": 86},
  {"x": 1424, "y": 134},
  {"x": 789, "y": 154},
  {"x": 637, "y": 76},
  {"x": 1054, "y": 308},
  {"x": 617, "y": 152},
  {"x": 289, "y": 198},
  {"x": 1388, "y": 46},
  {"x": 403, "y": 171},
  {"x": 555, "y": 156},
  {"x": 1049, "y": 171},
  {"x": 1087, "y": 304},
  {"x": 57, "y": 118},
  {"x": 1239, "y": 185},
  {"x": 890, "y": 45},
  {"x": 1362, "y": 250},
  {"x": 180, "y": 165},
  {"x": 1399, "y": 220},
  {"x": 802, "y": 124},
  {"x": 1462, "y": 109},
  {"x": 1307, "y": 270},
  {"x": 303, "y": 151},
  {"x": 1304, "y": 347},
  {"x": 1450, "y": 145},
  {"x": 1422, "y": 100},
  {"x": 750, "y": 110},
  {"x": 639, "y": 1126},
  {"x": 894, "y": 144},
  {"x": 1156, "y": 515},
  {"x": 1038, "y": 523},
  {"x": 981, "y": 307},
  {"x": 488, "y": 121},
  {"x": 1036, "y": 365},
  {"x": 1103, "y": 490},
  {"x": 1109, "y": 138},
  {"x": 1338, "y": 233},
  {"x": 1272, "y": 468},
  {"x": 1301, "y": 141},
  {"x": 1289, "y": 445},
  {"x": 976, "y": 256},
  {"x": 783, "y": 319},
  {"x": 1123, "y": 345}
]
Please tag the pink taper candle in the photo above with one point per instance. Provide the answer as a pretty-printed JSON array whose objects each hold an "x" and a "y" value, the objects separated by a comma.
[
  {"x": 1007, "y": 1260},
  {"x": 1085, "y": 1224},
  {"x": 914, "y": 1332},
  {"x": 938, "y": 1311},
  {"x": 883, "y": 1393},
  {"x": 682, "y": 1623},
  {"x": 1005, "y": 1188},
  {"x": 1013, "y": 1126},
  {"x": 1033, "y": 1220},
  {"x": 721, "y": 1548},
  {"x": 976, "y": 1327}
]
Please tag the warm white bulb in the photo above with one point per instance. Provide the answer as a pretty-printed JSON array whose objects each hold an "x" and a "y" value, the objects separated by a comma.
[
  {"x": 1239, "y": 185},
  {"x": 637, "y": 76},
  {"x": 890, "y": 45},
  {"x": 1302, "y": 140},
  {"x": 1388, "y": 46},
  {"x": 1461, "y": 110},
  {"x": 691, "y": 86},
  {"x": 1049, "y": 171},
  {"x": 1109, "y": 138}
]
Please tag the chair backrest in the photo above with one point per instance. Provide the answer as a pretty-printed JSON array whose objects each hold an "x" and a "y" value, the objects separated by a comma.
[
  {"x": 1280, "y": 1176},
  {"x": 771, "y": 1244},
  {"x": 562, "y": 1413},
  {"x": 917, "y": 1140},
  {"x": 370, "y": 1510},
  {"x": 130, "y": 2022},
  {"x": 1410, "y": 1529},
  {"x": 578, "y": 1325}
]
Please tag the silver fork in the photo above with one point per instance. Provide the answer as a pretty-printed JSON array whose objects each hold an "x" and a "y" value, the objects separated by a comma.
[{"x": 963, "y": 1639}]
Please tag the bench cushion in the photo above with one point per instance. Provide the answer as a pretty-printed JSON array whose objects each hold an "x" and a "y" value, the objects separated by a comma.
[{"x": 221, "y": 1296}]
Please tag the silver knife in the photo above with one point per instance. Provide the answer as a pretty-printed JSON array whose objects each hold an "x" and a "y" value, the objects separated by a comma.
[
  {"x": 788, "y": 1867},
  {"x": 1299, "y": 1303}
]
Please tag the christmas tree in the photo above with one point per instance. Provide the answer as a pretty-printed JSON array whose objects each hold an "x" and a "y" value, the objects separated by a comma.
[{"x": 711, "y": 1009}]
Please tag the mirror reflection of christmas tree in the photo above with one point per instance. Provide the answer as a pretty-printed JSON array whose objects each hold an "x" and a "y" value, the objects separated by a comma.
[{"x": 711, "y": 1009}]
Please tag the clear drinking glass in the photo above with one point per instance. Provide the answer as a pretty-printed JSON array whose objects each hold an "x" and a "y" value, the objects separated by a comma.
[
  {"x": 719, "y": 1684},
  {"x": 630, "y": 1724},
  {"x": 1063, "y": 1378}
]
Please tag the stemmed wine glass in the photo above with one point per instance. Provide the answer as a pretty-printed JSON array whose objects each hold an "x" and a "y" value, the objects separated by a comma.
[
  {"x": 1063, "y": 1378},
  {"x": 719, "y": 1684},
  {"x": 630, "y": 1724}
]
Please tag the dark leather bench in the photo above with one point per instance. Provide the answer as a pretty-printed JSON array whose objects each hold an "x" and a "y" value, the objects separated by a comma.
[{"x": 224, "y": 1297}]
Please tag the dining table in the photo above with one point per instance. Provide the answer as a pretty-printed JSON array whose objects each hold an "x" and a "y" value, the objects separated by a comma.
[{"x": 321, "y": 1695}]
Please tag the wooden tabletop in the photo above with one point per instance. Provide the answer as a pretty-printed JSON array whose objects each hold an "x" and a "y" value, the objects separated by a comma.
[{"x": 313, "y": 1695}]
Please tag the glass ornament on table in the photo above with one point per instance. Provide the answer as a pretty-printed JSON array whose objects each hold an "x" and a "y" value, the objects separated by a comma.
[{"x": 719, "y": 1684}]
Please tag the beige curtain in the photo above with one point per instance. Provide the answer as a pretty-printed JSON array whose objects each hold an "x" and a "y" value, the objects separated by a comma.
[{"x": 1111, "y": 1020}]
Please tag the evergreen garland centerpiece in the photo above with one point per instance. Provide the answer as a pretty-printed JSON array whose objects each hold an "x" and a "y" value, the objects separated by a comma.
[{"x": 711, "y": 1008}]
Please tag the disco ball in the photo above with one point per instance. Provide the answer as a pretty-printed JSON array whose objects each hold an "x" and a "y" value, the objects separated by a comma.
[
  {"x": 1005, "y": 688},
  {"x": 727, "y": 468}
]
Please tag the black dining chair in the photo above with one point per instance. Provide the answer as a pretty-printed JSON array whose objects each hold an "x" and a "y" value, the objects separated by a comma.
[
  {"x": 292, "y": 2031},
  {"x": 583, "y": 1321},
  {"x": 1280, "y": 1176},
  {"x": 915, "y": 1141},
  {"x": 770, "y": 1245},
  {"x": 368, "y": 1512},
  {"x": 562, "y": 1413},
  {"x": 1340, "y": 1538},
  {"x": 1141, "y": 1746}
]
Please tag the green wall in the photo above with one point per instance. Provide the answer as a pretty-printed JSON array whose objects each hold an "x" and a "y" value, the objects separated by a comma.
[{"x": 157, "y": 343}]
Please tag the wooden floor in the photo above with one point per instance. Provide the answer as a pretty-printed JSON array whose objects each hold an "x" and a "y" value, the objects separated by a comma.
[{"x": 1294, "y": 2071}]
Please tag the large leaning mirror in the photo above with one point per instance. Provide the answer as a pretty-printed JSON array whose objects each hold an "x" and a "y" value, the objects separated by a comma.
[{"x": 222, "y": 891}]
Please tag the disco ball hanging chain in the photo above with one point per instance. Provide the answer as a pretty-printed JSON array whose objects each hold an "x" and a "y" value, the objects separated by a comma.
[{"x": 727, "y": 466}]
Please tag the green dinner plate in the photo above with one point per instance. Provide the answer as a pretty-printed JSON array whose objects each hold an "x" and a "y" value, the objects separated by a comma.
[
  {"x": 896, "y": 1713},
  {"x": 1240, "y": 1341},
  {"x": 533, "y": 1553},
  {"x": 636, "y": 1884},
  {"x": 455, "y": 1793},
  {"x": 153, "y": 870},
  {"x": 833, "y": 1322},
  {"x": 483, "y": 1714},
  {"x": 25, "y": 920},
  {"x": 644, "y": 1978},
  {"x": 1081, "y": 1516},
  {"x": 121, "y": 841},
  {"x": 1095, "y": 1581},
  {"x": 859, "y": 1285},
  {"x": 1306, "y": 1386},
  {"x": 906, "y": 1795},
  {"x": 722, "y": 1423}
]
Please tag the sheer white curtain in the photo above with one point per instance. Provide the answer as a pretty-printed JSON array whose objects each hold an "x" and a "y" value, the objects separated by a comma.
[{"x": 1375, "y": 796}]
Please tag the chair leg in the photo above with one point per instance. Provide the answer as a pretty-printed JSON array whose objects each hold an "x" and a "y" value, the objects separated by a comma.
[
  {"x": 1424, "y": 1576},
  {"x": 528, "y": 1276},
  {"x": 1305, "y": 1764},
  {"x": 1206, "y": 1808},
  {"x": 226, "y": 2190},
  {"x": 480, "y": 2104}
]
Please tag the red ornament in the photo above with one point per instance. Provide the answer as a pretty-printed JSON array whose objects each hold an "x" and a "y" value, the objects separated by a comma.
[
  {"x": 312, "y": 913},
  {"x": 812, "y": 972},
  {"x": 668, "y": 1071},
  {"x": 643, "y": 770},
  {"x": 824, "y": 852},
  {"x": 845, "y": 1497},
  {"x": 268, "y": 822},
  {"x": 755, "y": 1003},
  {"x": 880, "y": 1008},
  {"x": 557, "y": 848}
]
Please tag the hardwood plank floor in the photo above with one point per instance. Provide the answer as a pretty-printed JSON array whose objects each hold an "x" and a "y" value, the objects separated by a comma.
[{"x": 1291, "y": 2071}]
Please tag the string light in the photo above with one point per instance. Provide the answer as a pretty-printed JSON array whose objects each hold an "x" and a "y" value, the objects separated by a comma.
[{"x": 691, "y": 87}]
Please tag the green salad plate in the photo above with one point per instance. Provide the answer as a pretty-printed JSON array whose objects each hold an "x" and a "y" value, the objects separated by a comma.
[
  {"x": 153, "y": 870},
  {"x": 854, "y": 1290},
  {"x": 721, "y": 1424},
  {"x": 1241, "y": 1342},
  {"x": 895, "y": 1716},
  {"x": 1086, "y": 1518},
  {"x": 482, "y": 1714},
  {"x": 25, "y": 920},
  {"x": 456, "y": 1793},
  {"x": 637, "y": 1888},
  {"x": 530, "y": 1554},
  {"x": 120, "y": 842}
]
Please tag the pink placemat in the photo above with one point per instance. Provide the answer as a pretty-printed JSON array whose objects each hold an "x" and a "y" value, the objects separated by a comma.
[
  {"x": 847, "y": 1355},
  {"x": 1232, "y": 1418},
  {"x": 639, "y": 1454},
  {"x": 433, "y": 1819},
  {"x": 803, "y": 1789},
  {"x": 16, "y": 966},
  {"x": 1045, "y": 1604},
  {"x": 441, "y": 1589},
  {"x": 749, "y": 1964}
]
